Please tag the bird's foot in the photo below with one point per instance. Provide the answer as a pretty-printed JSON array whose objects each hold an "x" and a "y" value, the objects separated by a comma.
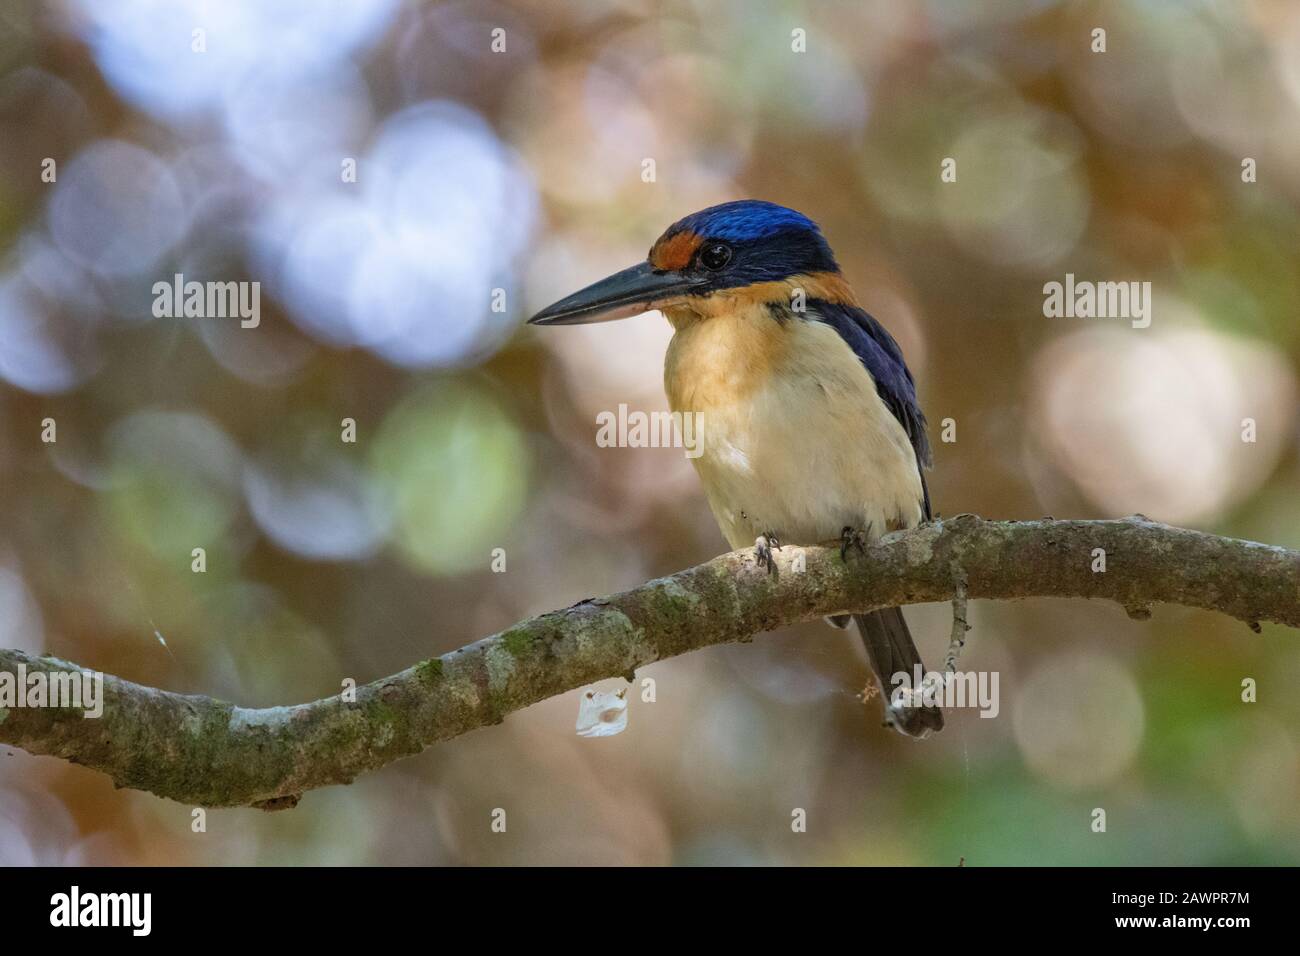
[
  {"x": 764, "y": 545},
  {"x": 851, "y": 537}
]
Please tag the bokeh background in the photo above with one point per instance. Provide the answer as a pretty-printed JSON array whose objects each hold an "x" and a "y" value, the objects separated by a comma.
[{"x": 522, "y": 171}]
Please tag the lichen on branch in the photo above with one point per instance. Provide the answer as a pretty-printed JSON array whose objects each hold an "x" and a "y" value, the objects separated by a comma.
[{"x": 208, "y": 752}]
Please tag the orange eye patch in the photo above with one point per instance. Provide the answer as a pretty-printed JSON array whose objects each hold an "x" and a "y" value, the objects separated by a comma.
[{"x": 676, "y": 251}]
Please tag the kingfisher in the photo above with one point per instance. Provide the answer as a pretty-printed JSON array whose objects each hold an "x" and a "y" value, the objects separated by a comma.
[{"x": 812, "y": 429}]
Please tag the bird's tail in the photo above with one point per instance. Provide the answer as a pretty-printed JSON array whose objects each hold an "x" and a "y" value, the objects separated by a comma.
[{"x": 890, "y": 648}]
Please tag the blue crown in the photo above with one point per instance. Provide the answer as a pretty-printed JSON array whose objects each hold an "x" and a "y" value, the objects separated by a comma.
[{"x": 744, "y": 221}]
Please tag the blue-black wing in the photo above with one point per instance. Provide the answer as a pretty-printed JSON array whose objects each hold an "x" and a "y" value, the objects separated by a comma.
[{"x": 878, "y": 351}]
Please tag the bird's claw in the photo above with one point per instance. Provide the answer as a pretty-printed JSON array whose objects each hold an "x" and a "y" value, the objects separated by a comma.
[
  {"x": 851, "y": 537},
  {"x": 764, "y": 545}
]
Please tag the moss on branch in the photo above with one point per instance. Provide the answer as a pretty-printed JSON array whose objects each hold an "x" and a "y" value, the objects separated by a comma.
[{"x": 207, "y": 752}]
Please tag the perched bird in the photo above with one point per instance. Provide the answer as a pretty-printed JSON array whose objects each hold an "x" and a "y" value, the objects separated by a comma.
[{"x": 811, "y": 427}]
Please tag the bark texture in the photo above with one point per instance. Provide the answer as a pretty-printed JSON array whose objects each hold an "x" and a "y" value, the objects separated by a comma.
[{"x": 208, "y": 752}]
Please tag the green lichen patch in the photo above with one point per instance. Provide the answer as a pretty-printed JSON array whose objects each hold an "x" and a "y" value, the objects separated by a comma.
[
  {"x": 517, "y": 640},
  {"x": 429, "y": 672}
]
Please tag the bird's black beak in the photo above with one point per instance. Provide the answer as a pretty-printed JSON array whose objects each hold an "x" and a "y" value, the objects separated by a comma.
[{"x": 630, "y": 292}]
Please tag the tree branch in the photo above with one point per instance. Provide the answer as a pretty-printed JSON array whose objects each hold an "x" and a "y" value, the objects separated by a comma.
[{"x": 207, "y": 752}]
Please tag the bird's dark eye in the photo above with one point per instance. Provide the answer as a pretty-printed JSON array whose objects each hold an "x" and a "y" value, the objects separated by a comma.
[{"x": 715, "y": 255}]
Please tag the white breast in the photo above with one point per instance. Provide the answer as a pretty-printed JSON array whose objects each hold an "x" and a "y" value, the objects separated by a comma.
[{"x": 796, "y": 439}]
